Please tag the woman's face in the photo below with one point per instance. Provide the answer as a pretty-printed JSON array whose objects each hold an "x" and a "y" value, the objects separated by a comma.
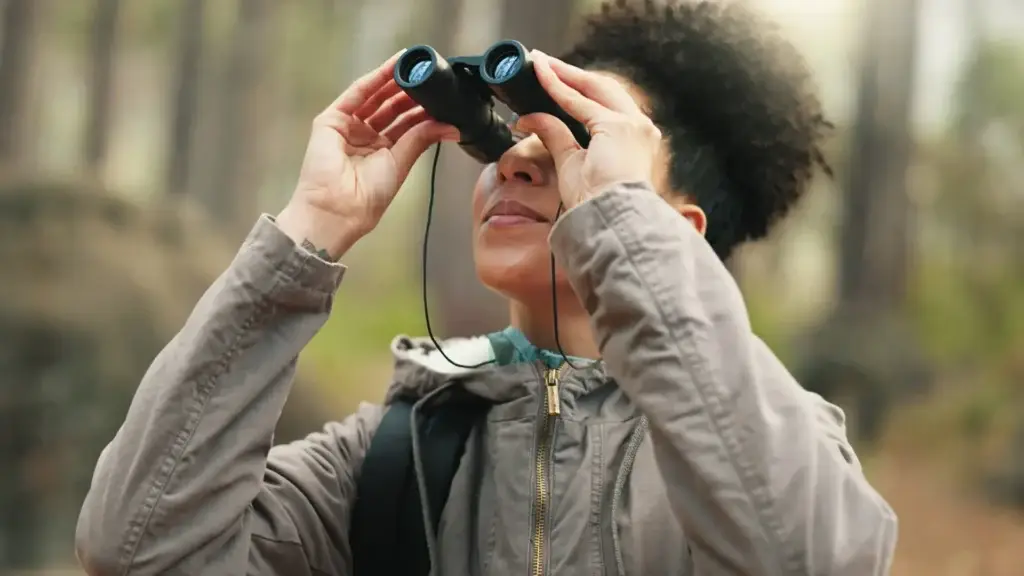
[{"x": 515, "y": 203}]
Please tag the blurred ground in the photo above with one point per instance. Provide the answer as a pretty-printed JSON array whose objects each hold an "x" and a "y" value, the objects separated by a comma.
[
  {"x": 944, "y": 532},
  {"x": 931, "y": 479}
]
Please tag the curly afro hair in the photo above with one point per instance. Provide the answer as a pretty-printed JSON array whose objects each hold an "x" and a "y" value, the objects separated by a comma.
[{"x": 735, "y": 100}]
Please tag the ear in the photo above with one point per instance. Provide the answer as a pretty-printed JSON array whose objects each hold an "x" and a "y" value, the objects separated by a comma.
[{"x": 691, "y": 212}]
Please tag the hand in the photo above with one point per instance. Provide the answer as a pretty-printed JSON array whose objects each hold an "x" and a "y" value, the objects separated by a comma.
[
  {"x": 624, "y": 141},
  {"x": 360, "y": 152}
]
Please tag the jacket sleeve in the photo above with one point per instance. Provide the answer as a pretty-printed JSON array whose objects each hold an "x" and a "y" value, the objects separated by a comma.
[
  {"x": 186, "y": 486},
  {"x": 759, "y": 471}
]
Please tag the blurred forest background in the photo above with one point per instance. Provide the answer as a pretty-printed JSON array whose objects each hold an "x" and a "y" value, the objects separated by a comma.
[{"x": 140, "y": 139}]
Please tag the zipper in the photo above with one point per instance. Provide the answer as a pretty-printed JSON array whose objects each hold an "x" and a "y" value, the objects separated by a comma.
[{"x": 552, "y": 408}]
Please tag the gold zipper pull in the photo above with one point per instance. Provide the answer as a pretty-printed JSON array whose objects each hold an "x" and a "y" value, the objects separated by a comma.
[{"x": 554, "y": 403}]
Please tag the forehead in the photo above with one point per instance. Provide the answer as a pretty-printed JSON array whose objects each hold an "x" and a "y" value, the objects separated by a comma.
[{"x": 639, "y": 96}]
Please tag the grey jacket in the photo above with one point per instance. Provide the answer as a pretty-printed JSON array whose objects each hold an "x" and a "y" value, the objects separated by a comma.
[{"x": 689, "y": 450}]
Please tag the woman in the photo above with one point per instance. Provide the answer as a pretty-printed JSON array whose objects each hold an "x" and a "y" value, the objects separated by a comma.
[{"x": 675, "y": 444}]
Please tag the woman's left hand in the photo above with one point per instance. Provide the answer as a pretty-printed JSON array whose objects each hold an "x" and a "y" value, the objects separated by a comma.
[{"x": 624, "y": 141}]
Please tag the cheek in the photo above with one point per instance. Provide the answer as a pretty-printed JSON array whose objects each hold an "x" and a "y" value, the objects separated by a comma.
[{"x": 485, "y": 187}]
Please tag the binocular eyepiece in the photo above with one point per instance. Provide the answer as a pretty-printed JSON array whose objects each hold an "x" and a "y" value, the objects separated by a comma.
[{"x": 461, "y": 92}]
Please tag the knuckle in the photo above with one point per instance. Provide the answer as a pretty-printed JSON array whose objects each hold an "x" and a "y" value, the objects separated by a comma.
[
  {"x": 607, "y": 83},
  {"x": 603, "y": 123},
  {"x": 649, "y": 129}
]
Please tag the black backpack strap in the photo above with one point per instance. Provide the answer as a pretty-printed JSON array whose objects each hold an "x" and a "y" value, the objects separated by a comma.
[
  {"x": 382, "y": 480},
  {"x": 387, "y": 533}
]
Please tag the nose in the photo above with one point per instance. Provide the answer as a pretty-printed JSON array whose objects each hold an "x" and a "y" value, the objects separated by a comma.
[{"x": 527, "y": 162}]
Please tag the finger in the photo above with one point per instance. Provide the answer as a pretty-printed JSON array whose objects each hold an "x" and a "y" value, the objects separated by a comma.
[
  {"x": 390, "y": 110},
  {"x": 361, "y": 90},
  {"x": 606, "y": 91},
  {"x": 555, "y": 135},
  {"x": 575, "y": 104},
  {"x": 415, "y": 141},
  {"x": 414, "y": 118},
  {"x": 404, "y": 123},
  {"x": 375, "y": 100}
]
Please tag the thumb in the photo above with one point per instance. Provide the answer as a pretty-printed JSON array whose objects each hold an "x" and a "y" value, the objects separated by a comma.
[
  {"x": 555, "y": 135},
  {"x": 411, "y": 145}
]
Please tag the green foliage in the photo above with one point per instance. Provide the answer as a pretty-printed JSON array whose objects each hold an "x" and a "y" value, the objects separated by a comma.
[
  {"x": 993, "y": 82},
  {"x": 969, "y": 288},
  {"x": 151, "y": 24},
  {"x": 769, "y": 322},
  {"x": 379, "y": 299},
  {"x": 967, "y": 293},
  {"x": 350, "y": 358},
  {"x": 968, "y": 296},
  {"x": 357, "y": 333},
  {"x": 981, "y": 412},
  {"x": 947, "y": 320},
  {"x": 71, "y": 23}
]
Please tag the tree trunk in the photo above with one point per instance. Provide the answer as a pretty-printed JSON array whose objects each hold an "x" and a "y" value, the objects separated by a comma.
[
  {"x": 104, "y": 41},
  {"x": 186, "y": 96},
  {"x": 376, "y": 27},
  {"x": 22, "y": 512},
  {"x": 865, "y": 352},
  {"x": 237, "y": 174},
  {"x": 17, "y": 52},
  {"x": 875, "y": 240}
]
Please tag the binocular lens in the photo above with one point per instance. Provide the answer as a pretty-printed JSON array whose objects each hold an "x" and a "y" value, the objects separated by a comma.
[
  {"x": 506, "y": 67},
  {"x": 419, "y": 71},
  {"x": 415, "y": 66},
  {"x": 503, "y": 61}
]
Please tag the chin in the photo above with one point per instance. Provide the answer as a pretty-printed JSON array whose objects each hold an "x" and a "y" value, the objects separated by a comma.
[{"x": 516, "y": 270}]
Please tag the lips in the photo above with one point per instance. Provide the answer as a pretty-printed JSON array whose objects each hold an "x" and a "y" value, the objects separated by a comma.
[{"x": 510, "y": 212}]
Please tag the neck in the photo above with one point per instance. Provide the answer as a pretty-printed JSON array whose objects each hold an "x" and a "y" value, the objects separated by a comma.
[{"x": 536, "y": 321}]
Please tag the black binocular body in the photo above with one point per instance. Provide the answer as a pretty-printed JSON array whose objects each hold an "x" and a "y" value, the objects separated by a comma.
[{"x": 461, "y": 92}]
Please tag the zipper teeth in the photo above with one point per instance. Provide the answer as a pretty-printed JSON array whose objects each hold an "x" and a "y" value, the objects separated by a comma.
[{"x": 540, "y": 505}]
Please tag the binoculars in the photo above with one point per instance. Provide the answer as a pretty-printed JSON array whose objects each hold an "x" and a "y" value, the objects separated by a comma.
[{"x": 461, "y": 92}]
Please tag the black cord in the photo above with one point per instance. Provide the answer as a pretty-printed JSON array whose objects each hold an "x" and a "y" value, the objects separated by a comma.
[
  {"x": 426, "y": 238},
  {"x": 426, "y": 308},
  {"x": 554, "y": 299}
]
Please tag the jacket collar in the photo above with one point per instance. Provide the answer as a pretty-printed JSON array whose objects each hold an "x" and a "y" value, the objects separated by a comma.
[{"x": 420, "y": 369}]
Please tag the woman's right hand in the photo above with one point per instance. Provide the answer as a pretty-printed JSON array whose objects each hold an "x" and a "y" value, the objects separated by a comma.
[{"x": 360, "y": 152}]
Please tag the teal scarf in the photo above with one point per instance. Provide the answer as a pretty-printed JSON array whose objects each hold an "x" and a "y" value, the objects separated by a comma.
[{"x": 511, "y": 347}]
